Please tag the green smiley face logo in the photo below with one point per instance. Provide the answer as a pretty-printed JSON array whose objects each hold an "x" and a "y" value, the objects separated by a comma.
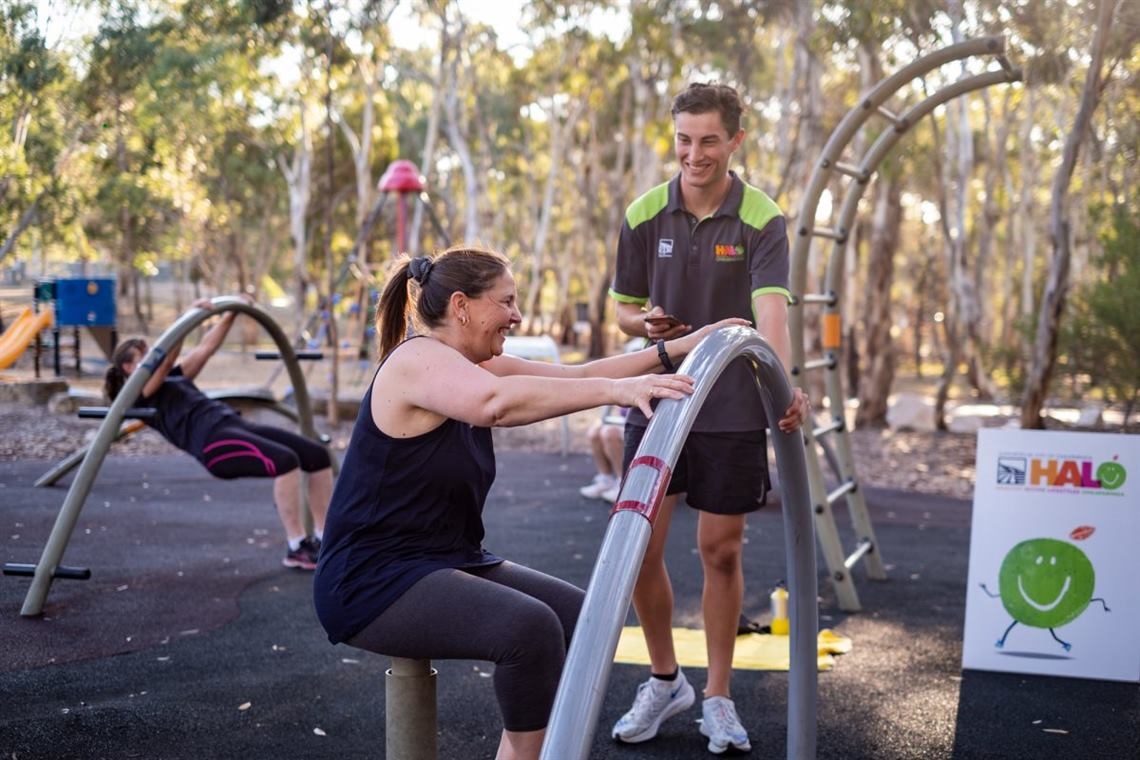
[
  {"x": 1046, "y": 583},
  {"x": 1111, "y": 475}
]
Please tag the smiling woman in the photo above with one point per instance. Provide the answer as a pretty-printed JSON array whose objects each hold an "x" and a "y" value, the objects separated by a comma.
[{"x": 403, "y": 571}]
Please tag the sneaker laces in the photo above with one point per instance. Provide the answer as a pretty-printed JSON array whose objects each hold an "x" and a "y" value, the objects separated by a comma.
[
  {"x": 650, "y": 694},
  {"x": 725, "y": 718}
]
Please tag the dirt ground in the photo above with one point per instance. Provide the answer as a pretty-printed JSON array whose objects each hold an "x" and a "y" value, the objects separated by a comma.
[{"x": 920, "y": 462}]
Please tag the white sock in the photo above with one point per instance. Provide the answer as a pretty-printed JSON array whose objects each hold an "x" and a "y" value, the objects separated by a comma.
[{"x": 295, "y": 543}]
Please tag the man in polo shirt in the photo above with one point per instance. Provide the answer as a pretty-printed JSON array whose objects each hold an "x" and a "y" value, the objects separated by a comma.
[{"x": 702, "y": 247}]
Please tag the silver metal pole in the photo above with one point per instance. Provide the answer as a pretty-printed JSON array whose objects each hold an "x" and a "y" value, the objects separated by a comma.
[
  {"x": 586, "y": 673},
  {"x": 109, "y": 430}
]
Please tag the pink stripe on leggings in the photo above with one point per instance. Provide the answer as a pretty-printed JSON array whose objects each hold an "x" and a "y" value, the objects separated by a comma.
[{"x": 254, "y": 452}]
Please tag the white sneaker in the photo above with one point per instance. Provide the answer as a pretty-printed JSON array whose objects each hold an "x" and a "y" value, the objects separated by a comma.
[
  {"x": 656, "y": 701},
  {"x": 720, "y": 724},
  {"x": 601, "y": 484},
  {"x": 611, "y": 493}
]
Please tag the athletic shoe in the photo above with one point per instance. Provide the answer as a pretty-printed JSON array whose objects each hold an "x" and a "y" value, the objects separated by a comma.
[
  {"x": 720, "y": 724},
  {"x": 611, "y": 493},
  {"x": 601, "y": 484},
  {"x": 656, "y": 701},
  {"x": 304, "y": 557}
]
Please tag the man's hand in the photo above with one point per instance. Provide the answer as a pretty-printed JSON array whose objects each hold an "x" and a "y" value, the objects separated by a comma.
[
  {"x": 657, "y": 328},
  {"x": 798, "y": 413}
]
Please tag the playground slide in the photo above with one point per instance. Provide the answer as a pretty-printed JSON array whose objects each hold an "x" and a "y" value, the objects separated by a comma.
[{"x": 17, "y": 338}]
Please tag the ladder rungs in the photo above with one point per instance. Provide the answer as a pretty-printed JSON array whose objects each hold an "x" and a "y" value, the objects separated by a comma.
[
  {"x": 838, "y": 493},
  {"x": 836, "y": 424},
  {"x": 828, "y": 299},
  {"x": 825, "y": 363},
  {"x": 851, "y": 171},
  {"x": 827, "y": 232},
  {"x": 900, "y": 124},
  {"x": 865, "y": 546}
]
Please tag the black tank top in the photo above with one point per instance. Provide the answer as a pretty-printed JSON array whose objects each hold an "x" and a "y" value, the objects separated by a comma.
[
  {"x": 185, "y": 415},
  {"x": 402, "y": 508}
]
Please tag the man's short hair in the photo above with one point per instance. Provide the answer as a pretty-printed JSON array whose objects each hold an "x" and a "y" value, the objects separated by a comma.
[{"x": 702, "y": 97}]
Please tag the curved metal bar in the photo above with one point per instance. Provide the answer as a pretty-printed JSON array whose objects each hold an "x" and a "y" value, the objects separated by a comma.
[
  {"x": 584, "y": 677},
  {"x": 109, "y": 430},
  {"x": 837, "y": 143},
  {"x": 868, "y": 165}
]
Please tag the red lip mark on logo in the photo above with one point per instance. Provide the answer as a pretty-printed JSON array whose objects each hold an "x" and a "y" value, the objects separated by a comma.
[{"x": 1081, "y": 532}]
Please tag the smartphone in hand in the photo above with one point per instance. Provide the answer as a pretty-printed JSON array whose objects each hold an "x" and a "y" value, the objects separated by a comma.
[{"x": 662, "y": 320}]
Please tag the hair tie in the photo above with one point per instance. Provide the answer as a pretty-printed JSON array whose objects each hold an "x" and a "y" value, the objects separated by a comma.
[{"x": 419, "y": 268}]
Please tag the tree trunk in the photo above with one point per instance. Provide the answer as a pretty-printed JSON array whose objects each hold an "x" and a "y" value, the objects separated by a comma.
[
  {"x": 1056, "y": 288},
  {"x": 559, "y": 131},
  {"x": 332, "y": 412},
  {"x": 298, "y": 179},
  {"x": 459, "y": 142},
  {"x": 430, "y": 138},
  {"x": 24, "y": 222},
  {"x": 879, "y": 356}
]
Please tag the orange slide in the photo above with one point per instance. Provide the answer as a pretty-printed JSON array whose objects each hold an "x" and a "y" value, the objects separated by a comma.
[{"x": 21, "y": 333}]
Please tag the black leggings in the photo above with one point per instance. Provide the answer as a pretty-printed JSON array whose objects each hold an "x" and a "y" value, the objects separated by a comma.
[
  {"x": 518, "y": 618},
  {"x": 244, "y": 450}
]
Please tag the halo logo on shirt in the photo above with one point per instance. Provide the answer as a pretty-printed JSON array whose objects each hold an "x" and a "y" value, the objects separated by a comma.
[
  {"x": 665, "y": 248},
  {"x": 728, "y": 253}
]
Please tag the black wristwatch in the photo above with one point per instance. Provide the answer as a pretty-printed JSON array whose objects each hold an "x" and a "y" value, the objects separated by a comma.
[{"x": 662, "y": 354}]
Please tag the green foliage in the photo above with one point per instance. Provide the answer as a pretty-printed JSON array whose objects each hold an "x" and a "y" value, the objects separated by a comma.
[{"x": 1100, "y": 340}]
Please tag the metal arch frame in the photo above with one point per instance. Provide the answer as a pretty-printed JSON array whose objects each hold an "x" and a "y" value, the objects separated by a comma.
[
  {"x": 870, "y": 104},
  {"x": 109, "y": 429},
  {"x": 578, "y": 701}
]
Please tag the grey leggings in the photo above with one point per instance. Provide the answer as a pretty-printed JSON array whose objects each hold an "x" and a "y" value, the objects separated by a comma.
[{"x": 518, "y": 618}]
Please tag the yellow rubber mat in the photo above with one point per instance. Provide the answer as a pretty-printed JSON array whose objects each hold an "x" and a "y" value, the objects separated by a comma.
[{"x": 754, "y": 651}]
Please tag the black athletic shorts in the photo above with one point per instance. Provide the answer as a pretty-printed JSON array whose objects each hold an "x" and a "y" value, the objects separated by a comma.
[{"x": 721, "y": 473}]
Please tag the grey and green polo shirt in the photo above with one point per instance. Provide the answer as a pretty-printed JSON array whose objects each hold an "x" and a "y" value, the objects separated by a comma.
[{"x": 704, "y": 270}]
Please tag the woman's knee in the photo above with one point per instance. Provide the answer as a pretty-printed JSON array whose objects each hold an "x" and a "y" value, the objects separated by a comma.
[{"x": 535, "y": 634}]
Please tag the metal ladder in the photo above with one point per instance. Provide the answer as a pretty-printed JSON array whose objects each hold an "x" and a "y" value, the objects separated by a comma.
[{"x": 858, "y": 175}]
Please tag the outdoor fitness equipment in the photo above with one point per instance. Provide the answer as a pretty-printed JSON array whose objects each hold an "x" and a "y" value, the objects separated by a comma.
[
  {"x": 48, "y": 567},
  {"x": 239, "y": 398},
  {"x": 859, "y": 173},
  {"x": 411, "y": 683},
  {"x": 584, "y": 677}
]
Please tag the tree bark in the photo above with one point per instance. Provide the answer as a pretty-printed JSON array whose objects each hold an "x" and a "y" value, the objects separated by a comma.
[
  {"x": 879, "y": 356},
  {"x": 1057, "y": 285}
]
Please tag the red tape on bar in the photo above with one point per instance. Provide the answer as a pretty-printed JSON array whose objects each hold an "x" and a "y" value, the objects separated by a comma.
[{"x": 649, "y": 509}]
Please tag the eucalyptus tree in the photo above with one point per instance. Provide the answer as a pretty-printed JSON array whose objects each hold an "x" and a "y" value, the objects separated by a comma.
[
  {"x": 1057, "y": 283},
  {"x": 41, "y": 132}
]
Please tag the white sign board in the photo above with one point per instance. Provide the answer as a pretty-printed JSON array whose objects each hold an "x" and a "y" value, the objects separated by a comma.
[{"x": 1054, "y": 578}]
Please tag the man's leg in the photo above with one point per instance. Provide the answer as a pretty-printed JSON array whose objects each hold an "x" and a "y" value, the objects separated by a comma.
[
  {"x": 320, "y": 491},
  {"x": 719, "y": 539},
  {"x": 653, "y": 596},
  {"x": 613, "y": 447}
]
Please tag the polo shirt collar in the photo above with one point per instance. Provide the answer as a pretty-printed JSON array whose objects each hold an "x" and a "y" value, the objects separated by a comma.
[{"x": 730, "y": 206}]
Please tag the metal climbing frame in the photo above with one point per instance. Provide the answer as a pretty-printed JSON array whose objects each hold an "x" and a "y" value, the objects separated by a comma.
[
  {"x": 46, "y": 568},
  {"x": 580, "y": 692},
  {"x": 859, "y": 173}
]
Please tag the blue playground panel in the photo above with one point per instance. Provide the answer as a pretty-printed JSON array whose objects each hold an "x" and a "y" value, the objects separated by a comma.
[{"x": 85, "y": 302}]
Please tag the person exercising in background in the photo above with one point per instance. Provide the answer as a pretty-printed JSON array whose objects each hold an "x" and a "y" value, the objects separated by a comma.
[{"x": 225, "y": 444}]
